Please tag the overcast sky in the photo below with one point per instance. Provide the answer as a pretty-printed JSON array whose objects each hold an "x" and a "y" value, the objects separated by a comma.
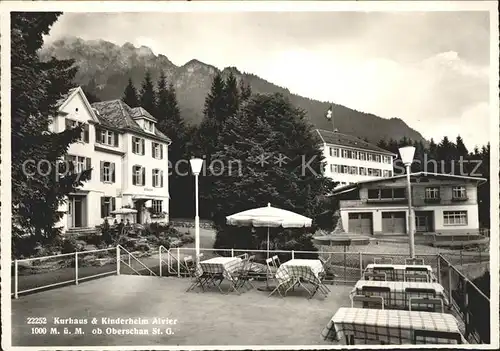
[{"x": 429, "y": 69}]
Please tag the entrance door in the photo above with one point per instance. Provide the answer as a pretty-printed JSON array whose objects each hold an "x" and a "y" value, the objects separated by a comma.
[
  {"x": 70, "y": 213},
  {"x": 424, "y": 221},
  {"x": 360, "y": 223},
  {"x": 138, "y": 206},
  {"x": 76, "y": 211},
  {"x": 394, "y": 222}
]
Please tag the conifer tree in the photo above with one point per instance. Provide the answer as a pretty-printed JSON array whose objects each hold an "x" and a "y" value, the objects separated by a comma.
[
  {"x": 36, "y": 88},
  {"x": 148, "y": 96},
  {"x": 130, "y": 95},
  {"x": 269, "y": 125},
  {"x": 172, "y": 125},
  {"x": 245, "y": 90},
  {"x": 231, "y": 95}
]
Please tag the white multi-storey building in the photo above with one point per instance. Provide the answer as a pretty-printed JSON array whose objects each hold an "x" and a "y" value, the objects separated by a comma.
[
  {"x": 350, "y": 160},
  {"x": 128, "y": 157}
]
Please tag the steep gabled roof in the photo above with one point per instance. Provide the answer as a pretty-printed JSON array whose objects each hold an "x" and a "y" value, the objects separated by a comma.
[
  {"x": 61, "y": 103},
  {"x": 65, "y": 97},
  {"x": 336, "y": 138},
  {"x": 117, "y": 114},
  {"x": 139, "y": 112}
]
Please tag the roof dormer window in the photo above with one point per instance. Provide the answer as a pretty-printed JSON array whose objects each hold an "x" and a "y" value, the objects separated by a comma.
[{"x": 149, "y": 126}]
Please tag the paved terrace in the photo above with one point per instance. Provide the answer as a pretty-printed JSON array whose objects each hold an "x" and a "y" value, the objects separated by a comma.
[{"x": 208, "y": 318}]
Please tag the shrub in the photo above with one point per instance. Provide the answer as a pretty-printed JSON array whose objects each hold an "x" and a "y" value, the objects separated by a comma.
[
  {"x": 69, "y": 245},
  {"x": 187, "y": 239}
]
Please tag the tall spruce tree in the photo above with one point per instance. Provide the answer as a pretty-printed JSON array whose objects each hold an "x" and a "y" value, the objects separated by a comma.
[
  {"x": 208, "y": 137},
  {"x": 148, "y": 96},
  {"x": 36, "y": 88},
  {"x": 130, "y": 95},
  {"x": 245, "y": 90},
  {"x": 172, "y": 125},
  {"x": 272, "y": 126},
  {"x": 231, "y": 95}
]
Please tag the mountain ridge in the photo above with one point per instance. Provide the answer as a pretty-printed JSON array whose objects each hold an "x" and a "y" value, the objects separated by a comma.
[{"x": 105, "y": 67}]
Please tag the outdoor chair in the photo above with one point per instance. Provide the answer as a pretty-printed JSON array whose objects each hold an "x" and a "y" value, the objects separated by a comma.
[
  {"x": 326, "y": 265},
  {"x": 430, "y": 305},
  {"x": 194, "y": 273},
  {"x": 374, "y": 276},
  {"x": 389, "y": 272},
  {"x": 416, "y": 277},
  {"x": 276, "y": 261},
  {"x": 243, "y": 256},
  {"x": 416, "y": 269},
  {"x": 414, "y": 261},
  {"x": 423, "y": 293},
  {"x": 431, "y": 336},
  {"x": 382, "y": 260},
  {"x": 271, "y": 265},
  {"x": 243, "y": 276},
  {"x": 376, "y": 291},
  {"x": 368, "y": 301}
]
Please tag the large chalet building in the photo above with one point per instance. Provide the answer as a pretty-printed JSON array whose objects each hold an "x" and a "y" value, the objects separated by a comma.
[
  {"x": 350, "y": 159},
  {"x": 128, "y": 157}
]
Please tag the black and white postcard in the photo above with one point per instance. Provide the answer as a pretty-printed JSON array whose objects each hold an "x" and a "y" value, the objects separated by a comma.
[{"x": 249, "y": 175}]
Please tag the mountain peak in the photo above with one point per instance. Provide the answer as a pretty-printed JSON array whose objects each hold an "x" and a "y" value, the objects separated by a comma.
[
  {"x": 232, "y": 69},
  {"x": 128, "y": 46},
  {"x": 145, "y": 51},
  {"x": 110, "y": 66}
]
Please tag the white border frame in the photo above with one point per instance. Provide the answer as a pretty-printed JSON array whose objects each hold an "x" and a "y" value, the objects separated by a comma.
[{"x": 222, "y": 6}]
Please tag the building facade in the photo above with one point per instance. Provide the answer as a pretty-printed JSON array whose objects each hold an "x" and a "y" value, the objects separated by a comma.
[
  {"x": 441, "y": 204},
  {"x": 350, "y": 160},
  {"x": 128, "y": 157}
]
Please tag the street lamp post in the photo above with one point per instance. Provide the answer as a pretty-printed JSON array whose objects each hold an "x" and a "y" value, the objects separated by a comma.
[
  {"x": 196, "y": 164},
  {"x": 407, "y": 154}
]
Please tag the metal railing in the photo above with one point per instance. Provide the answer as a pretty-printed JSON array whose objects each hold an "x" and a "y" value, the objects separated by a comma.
[
  {"x": 37, "y": 273},
  {"x": 469, "y": 304},
  {"x": 119, "y": 253}
]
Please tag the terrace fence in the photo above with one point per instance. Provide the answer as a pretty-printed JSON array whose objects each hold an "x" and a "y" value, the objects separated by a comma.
[{"x": 468, "y": 303}]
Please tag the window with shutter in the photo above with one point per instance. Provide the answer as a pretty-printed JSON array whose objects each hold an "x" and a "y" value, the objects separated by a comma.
[
  {"x": 134, "y": 175},
  {"x": 161, "y": 152},
  {"x": 86, "y": 133},
  {"x": 143, "y": 147},
  {"x": 116, "y": 139},
  {"x": 102, "y": 171},
  {"x": 143, "y": 176},
  {"x": 161, "y": 179},
  {"x": 89, "y": 167},
  {"x": 113, "y": 171},
  {"x": 103, "y": 207}
]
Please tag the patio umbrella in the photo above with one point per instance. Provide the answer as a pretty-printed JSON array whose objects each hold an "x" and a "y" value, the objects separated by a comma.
[{"x": 270, "y": 217}]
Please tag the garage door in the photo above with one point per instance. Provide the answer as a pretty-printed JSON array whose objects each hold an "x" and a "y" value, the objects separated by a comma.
[
  {"x": 360, "y": 223},
  {"x": 394, "y": 222}
]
